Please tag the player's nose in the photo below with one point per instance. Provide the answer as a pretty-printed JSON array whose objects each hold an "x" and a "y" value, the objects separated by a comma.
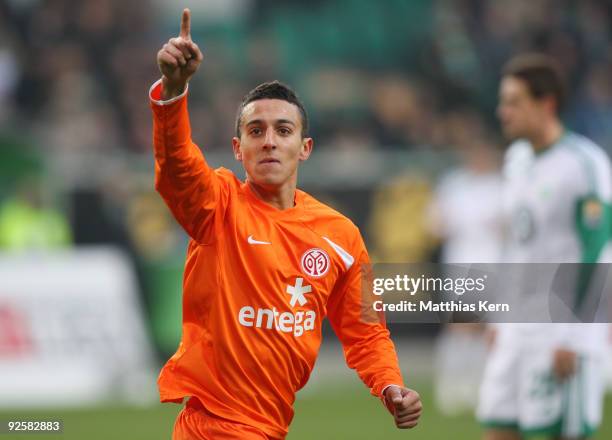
[
  {"x": 269, "y": 140},
  {"x": 503, "y": 113},
  {"x": 499, "y": 112}
]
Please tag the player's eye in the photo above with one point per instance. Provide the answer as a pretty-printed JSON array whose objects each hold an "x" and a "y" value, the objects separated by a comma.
[
  {"x": 255, "y": 131},
  {"x": 285, "y": 131}
]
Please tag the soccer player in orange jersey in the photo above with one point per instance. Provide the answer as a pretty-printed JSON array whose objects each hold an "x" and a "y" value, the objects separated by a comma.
[{"x": 266, "y": 263}]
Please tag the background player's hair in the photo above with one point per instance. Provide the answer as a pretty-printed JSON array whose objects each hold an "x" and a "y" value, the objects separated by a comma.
[
  {"x": 543, "y": 75},
  {"x": 273, "y": 90}
]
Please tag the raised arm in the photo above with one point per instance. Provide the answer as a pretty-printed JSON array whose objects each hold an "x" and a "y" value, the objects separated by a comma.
[
  {"x": 191, "y": 189},
  {"x": 178, "y": 60}
]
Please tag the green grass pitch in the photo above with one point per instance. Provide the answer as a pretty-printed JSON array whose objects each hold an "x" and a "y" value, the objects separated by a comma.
[{"x": 344, "y": 411}]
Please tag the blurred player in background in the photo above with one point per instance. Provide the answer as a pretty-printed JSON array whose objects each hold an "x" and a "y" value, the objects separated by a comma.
[
  {"x": 466, "y": 215},
  {"x": 266, "y": 263},
  {"x": 547, "y": 378},
  {"x": 465, "y": 212}
]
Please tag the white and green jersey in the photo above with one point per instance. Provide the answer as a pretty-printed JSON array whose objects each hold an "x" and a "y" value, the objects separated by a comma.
[
  {"x": 557, "y": 209},
  {"x": 557, "y": 202}
]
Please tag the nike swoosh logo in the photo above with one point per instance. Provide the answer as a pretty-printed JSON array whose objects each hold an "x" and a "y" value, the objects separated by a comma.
[{"x": 251, "y": 240}]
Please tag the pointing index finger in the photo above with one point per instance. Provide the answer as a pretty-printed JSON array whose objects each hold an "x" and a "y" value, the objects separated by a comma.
[{"x": 186, "y": 24}]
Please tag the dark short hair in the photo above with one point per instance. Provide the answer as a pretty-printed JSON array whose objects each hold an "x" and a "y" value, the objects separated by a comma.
[
  {"x": 543, "y": 75},
  {"x": 273, "y": 90}
]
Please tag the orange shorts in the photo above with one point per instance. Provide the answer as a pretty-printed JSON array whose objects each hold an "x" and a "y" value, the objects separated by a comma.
[{"x": 194, "y": 422}]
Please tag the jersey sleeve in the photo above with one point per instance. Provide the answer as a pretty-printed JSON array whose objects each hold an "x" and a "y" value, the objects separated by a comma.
[
  {"x": 194, "y": 192},
  {"x": 368, "y": 348},
  {"x": 593, "y": 215},
  {"x": 591, "y": 184},
  {"x": 594, "y": 226}
]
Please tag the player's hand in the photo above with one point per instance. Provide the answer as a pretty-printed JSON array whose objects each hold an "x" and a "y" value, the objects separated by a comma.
[
  {"x": 178, "y": 60},
  {"x": 405, "y": 405},
  {"x": 565, "y": 363}
]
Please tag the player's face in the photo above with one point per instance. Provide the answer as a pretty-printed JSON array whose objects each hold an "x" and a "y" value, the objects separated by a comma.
[
  {"x": 520, "y": 113},
  {"x": 271, "y": 146}
]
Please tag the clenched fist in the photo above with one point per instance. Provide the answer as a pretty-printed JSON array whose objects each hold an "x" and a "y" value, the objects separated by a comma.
[
  {"x": 178, "y": 60},
  {"x": 405, "y": 406}
]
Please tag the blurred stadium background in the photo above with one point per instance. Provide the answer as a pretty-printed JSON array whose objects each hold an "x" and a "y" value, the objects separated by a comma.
[{"x": 402, "y": 97}]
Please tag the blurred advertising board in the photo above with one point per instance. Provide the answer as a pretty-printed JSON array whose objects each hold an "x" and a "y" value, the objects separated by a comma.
[{"x": 72, "y": 330}]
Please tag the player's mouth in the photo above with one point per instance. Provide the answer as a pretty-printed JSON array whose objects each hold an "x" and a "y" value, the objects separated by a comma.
[{"x": 269, "y": 160}]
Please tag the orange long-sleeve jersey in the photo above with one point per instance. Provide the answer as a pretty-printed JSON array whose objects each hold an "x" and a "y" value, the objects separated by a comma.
[{"x": 258, "y": 283}]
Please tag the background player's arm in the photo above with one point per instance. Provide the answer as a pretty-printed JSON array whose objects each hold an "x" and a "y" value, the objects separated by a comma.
[
  {"x": 367, "y": 346},
  {"x": 190, "y": 188},
  {"x": 593, "y": 222}
]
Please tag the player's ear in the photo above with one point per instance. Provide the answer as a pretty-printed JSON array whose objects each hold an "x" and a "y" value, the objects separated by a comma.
[
  {"x": 306, "y": 149},
  {"x": 236, "y": 148}
]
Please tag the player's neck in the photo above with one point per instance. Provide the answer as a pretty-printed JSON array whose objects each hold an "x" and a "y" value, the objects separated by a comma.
[
  {"x": 549, "y": 135},
  {"x": 281, "y": 198}
]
